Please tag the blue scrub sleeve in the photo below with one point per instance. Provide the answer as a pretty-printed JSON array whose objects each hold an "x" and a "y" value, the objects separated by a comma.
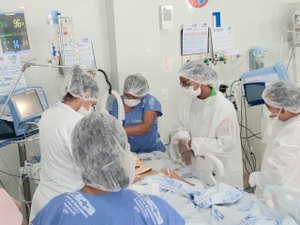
[{"x": 152, "y": 104}]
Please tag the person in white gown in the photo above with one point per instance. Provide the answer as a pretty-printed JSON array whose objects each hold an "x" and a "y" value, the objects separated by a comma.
[
  {"x": 280, "y": 165},
  {"x": 206, "y": 123},
  {"x": 59, "y": 171}
]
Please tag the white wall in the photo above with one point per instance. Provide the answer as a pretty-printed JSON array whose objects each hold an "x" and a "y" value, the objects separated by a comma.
[{"x": 89, "y": 18}]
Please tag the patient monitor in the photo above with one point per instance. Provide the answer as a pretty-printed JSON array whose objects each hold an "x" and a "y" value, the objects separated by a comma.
[
  {"x": 23, "y": 112},
  {"x": 255, "y": 81}
]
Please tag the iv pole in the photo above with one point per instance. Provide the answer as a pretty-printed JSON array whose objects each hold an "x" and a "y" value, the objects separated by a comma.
[{"x": 21, "y": 143}]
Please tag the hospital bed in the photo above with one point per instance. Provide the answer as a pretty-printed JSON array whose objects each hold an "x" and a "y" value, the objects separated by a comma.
[{"x": 206, "y": 203}]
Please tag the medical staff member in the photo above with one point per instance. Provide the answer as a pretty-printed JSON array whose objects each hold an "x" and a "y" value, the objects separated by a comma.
[
  {"x": 101, "y": 151},
  {"x": 141, "y": 113},
  {"x": 59, "y": 171},
  {"x": 206, "y": 123},
  {"x": 280, "y": 165}
]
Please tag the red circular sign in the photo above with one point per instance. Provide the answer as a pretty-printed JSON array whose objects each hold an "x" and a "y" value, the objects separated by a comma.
[{"x": 198, "y": 3}]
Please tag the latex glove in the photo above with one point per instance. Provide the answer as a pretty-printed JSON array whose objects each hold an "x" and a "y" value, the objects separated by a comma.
[
  {"x": 182, "y": 146},
  {"x": 185, "y": 151},
  {"x": 186, "y": 157}
]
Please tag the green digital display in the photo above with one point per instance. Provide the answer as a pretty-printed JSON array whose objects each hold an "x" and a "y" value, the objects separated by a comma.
[{"x": 13, "y": 33}]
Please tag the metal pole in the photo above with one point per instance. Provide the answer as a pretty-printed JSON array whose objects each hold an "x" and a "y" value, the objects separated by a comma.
[{"x": 25, "y": 179}]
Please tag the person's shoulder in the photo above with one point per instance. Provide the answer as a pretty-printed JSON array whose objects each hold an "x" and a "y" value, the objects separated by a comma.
[
  {"x": 150, "y": 101},
  {"x": 149, "y": 97},
  {"x": 58, "y": 198},
  {"x": 54, "y": 204},
  {"x": 223, "y": 101}
]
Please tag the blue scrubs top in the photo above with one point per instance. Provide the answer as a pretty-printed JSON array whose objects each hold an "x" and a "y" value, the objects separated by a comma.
[
  {"x": 151, "y": 140},
  {"x": 122, "y": 207}
]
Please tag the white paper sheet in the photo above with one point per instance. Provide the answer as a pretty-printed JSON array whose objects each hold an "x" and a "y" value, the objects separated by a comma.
[
  {"x": 223, "y": 41},
  {"x": 10, "y": 70},
  {"x": 195, "y": 38}
]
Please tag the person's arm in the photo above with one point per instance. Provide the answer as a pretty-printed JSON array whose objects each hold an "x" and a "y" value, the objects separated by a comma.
[
  {"x": 166, "y": 172},
  {"x": 180, "y": 129},
  {"x": 141, "y": 129},
  {"x": 227, "y": 137},
  {"x": 277, "y": 166}
]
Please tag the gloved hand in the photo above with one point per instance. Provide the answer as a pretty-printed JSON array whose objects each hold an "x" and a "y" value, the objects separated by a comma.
[{"x": 185, "y": 151}]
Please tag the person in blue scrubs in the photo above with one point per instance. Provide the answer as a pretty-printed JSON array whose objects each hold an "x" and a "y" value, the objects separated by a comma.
[
  {"x": 101, "y": 151},
  {"x": 141, "y": 113}
]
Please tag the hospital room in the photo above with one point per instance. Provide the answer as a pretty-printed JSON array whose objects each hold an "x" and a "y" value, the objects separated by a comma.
[{"x": 143, "y": 112}]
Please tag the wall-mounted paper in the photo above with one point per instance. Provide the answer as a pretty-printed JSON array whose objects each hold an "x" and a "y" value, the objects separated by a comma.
[
  {"x": 195, "y": 38},
  {"x": 223, "y": 41},
  {"x": 10, "y": 70}
]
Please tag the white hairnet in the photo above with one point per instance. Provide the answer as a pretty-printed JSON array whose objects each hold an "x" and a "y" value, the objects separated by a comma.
[
  {"x": 136, "y": 85},
  {"x": 80, "y": 85},
  {"x": 283, "y": 94},
  {"x": 199, "y": 72},
  {"x": 101, "y": 151}
]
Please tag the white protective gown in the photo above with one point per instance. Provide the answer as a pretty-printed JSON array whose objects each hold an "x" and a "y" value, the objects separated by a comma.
[
  {"x": 281, "y": 160},
  {"x": 212, "y": 124},
  {"x": 59, "y": 172}
]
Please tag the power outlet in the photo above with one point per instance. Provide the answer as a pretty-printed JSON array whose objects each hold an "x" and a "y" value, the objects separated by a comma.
[{"x": 165, "y": 94}]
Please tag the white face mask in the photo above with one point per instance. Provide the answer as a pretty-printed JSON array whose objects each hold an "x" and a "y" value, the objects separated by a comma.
[
  {"x": 191, "y": 92},
  {"x": 267, "y": 114},
  {"x": 84, "y": 112},
  {"x": 131, "y": 102}
]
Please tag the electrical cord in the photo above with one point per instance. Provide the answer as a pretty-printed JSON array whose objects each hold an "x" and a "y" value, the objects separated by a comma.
[
  {"x": 250, "y": 158},
  {"x": 254, "y": 135},
  {"x": 253, "y": 157},
  {"x": 19, "y": 176}
]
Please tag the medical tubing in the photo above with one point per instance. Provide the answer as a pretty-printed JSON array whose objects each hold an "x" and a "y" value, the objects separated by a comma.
[
  {"x": 121, "y": 110},
  {"x": 14, "y": 175},
  {"x": 106, "y": 79}
]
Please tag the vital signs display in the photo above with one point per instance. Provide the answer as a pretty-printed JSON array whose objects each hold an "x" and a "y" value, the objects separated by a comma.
[{"x": 13, "y": 33}]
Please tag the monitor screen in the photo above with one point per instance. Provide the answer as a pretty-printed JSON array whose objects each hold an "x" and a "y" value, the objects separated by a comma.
[
  {"x": 13, "y": 33},
  {"x": 253, "y": 93},
  {"x": 28, "y": 104}
]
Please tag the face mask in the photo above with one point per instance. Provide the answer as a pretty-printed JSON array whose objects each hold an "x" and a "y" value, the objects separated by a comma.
[
  {"x": 84, "y": 112},
  {"x": 131, "y": 102},
  {"x": 191, "y": 92},
  {"x": 275, "y": 118},
  {"x": 266, "y": 112}
]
